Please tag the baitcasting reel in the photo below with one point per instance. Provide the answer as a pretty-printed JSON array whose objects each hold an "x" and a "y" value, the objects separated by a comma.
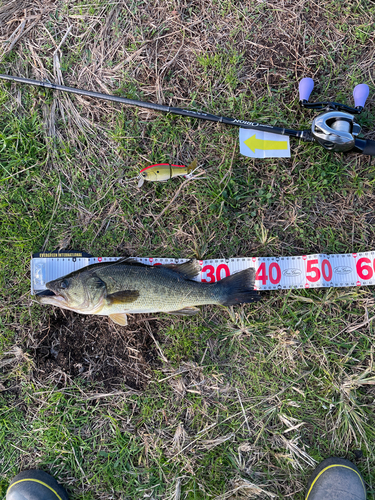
[{"x": 336, "y": 129}]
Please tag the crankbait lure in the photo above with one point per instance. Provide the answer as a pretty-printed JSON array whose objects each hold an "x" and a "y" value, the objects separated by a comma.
[{"x": 162, "y": 172}]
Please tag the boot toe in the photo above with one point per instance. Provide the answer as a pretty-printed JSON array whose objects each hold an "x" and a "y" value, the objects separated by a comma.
[
  {"x": 35, "y": 485},
  {"x": 336, "y": 479}
]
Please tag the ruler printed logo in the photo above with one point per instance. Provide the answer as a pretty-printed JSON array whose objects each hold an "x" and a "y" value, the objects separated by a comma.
[
  {"x": 342, "y": 270},
  {"x": 292, "y": 272}
]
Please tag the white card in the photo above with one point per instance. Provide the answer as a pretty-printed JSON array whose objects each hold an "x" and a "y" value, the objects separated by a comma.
[{"x": 257, "y": 144}]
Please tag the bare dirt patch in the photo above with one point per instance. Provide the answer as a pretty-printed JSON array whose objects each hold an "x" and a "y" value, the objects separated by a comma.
[{"x": 94, "y": 349}]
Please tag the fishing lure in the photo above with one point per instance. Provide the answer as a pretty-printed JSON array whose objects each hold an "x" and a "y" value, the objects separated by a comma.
[{"x": 162, "y": 172}]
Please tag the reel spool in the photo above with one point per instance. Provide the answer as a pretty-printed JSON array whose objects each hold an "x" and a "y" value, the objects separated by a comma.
[{"x": 336, "y": 129}]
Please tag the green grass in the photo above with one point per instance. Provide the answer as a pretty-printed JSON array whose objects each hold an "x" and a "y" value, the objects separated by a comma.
[{"x": 249, "y": 396}]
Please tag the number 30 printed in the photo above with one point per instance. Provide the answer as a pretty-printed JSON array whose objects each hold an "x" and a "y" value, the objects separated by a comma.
[{"x": 222, "y": 271}]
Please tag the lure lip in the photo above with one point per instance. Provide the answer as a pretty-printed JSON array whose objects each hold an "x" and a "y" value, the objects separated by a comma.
[{"x": 162, "y": 165}]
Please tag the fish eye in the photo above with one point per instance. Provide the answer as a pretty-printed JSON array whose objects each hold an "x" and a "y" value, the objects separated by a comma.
[
  {"x": 64, "y": 284},
  {"x": 157, "y": 171},
  {"x": 144, "y": 175}
]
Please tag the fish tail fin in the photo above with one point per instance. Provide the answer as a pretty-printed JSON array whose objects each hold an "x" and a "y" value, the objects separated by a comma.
[
  {"x": 238, "y": 288},
  {"x": 192, "y": 166}
]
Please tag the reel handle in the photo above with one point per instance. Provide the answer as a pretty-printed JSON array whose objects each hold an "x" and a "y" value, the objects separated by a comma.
[
  {"x": 360, "y": 94},
  {"x": 305, "y": 88}
]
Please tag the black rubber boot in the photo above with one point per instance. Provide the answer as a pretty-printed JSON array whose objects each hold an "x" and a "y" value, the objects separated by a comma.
[
  {"x": 35, "y": 485},
  {"x": 336, "y": 479}
]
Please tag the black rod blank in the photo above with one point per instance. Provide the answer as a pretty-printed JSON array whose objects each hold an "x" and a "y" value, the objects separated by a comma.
[{"x": 301, "y": 134}]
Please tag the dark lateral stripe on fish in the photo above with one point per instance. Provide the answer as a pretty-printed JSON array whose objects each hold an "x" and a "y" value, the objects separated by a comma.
[{"x": 162, "y": 165}]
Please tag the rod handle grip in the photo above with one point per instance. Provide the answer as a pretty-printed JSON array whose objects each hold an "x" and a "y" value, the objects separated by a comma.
[
  {"x": 369, "y": 148},
  {"x": 360, "y": 94},
  {"x": 305, "y": 87},
  {"x": 365, "y": 146}
]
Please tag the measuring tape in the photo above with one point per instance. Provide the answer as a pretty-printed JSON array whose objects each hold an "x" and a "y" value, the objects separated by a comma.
[{"x": 272, "y": 273}]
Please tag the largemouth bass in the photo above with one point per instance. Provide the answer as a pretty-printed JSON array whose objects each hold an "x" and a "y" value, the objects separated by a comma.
[
  {"x": 164, "y": 171},
  {"x": 126, "y": 286}
]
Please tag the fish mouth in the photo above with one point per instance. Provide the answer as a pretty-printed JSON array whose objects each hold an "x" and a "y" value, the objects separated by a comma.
[
  {"x": 50, "y": 297},
  {"x": 46, "y": 293}
]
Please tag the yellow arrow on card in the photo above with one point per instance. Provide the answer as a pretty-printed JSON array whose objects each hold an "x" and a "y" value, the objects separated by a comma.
[{"x": 254, "y": 143}]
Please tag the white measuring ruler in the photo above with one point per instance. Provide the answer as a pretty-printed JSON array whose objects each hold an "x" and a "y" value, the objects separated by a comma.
[{"x": 272, "y": 273}]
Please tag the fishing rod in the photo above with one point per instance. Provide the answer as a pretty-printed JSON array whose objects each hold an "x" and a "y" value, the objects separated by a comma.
[{"x": 335, "y": 130}]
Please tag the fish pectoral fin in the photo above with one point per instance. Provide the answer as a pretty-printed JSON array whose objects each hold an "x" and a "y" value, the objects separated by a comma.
[
  {"x": 123, "y": 297},
  {"x": 119, "y": 318},
  {"x": 188, "y": 269},
  {"x": 186, "y": 311}
]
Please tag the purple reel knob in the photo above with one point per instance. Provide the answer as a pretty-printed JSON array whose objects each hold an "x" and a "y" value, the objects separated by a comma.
[
  {"x": 360, "y": 94},
  {"x": 306, "y": 86}
]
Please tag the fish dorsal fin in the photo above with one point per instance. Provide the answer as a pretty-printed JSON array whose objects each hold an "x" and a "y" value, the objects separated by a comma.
[
  {"x": 123, "y": 260},
  {"x": 188, "y": 269},
  {"x": 130, "y": 261},
  {"x": 123, "y": 297},
  {"x": 186, "y": 311},
  {"x": 103, "y": 265},
  {"x": 100, "y": 265},
  {"x": 119, "y": 318}
]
